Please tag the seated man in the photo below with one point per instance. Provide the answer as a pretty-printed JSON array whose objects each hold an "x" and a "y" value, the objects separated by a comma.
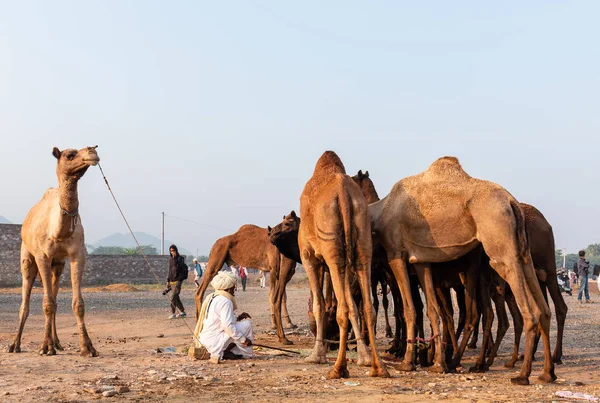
[{"x": 218, "y": 330}]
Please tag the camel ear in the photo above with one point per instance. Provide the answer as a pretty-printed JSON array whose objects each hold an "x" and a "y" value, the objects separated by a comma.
[
  {"x": 366, "y": 174},
  {"x": 293, "y": 214},
  {"x": 360, "y": 174},
  {"x": 56, "y": 153},
  {"x": 269, "y": 229}
]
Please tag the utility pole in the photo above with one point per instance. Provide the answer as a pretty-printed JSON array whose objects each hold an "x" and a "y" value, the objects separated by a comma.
[
  {"x": 565, "y": 258},
  {"x": 162, "y": 235}
]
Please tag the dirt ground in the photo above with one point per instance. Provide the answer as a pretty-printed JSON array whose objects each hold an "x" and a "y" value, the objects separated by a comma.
[{"x": 127, "y": 327}]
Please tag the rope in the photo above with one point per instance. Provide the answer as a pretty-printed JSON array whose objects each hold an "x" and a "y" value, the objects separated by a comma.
[{"x": 138, "y": 244}]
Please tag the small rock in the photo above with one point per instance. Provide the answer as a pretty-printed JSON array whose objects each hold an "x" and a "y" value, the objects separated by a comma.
[
  {"x": 109, "y": 393},
  {"x": 122, "y": 389},
  {"x": 112, "y": 377},
  {"x": 106, "y": 388},
  {"x": 431, "y": 384},
  {"x": 92, "y": 390},
  {"x": 5, "y": 393}
]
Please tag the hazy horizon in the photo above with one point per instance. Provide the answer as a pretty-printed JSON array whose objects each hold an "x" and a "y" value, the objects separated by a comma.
[{"x": 217, "y": 113}]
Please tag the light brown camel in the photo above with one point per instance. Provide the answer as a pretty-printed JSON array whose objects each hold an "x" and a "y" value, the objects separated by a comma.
[
  {"x": 250, "y": 247},
  {"x": 52, "y": 232},
  {"x": 335, "y": 232},
  {"x": 442, "y": 214}
]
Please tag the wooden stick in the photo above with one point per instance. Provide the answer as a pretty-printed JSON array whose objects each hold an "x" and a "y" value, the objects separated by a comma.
[{"x": 275, "y": 348}]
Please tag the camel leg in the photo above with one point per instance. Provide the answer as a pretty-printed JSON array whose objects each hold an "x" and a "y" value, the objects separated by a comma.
[
  {"x": 314, "y": 271},
  {"x": 462, "y": 310},
  {"x": 58, "y": 267},
  {"x": 535, "y": 311},
  {"x": 423, "y": 354},
  {"x": 503, "y": 323},
  {"x": 278, "y": 294},
  {"x": 386, "y": 303},
  {"x": 339, "y": 280},
  {"x": 485, "y": 303},
  {"x": 49, "y": 305},
  {"x": 433, "y": 313},
  {"x": 445, "y": 302},
  {"x": 29, "y": 272},
  {"x": 398, "y": 266},
  {"x": 216, "y": 260},
  {"x": 77, "y": 265},
  {"x": 515, "y": 312},
  {"x": 363, "y": 269},
  {"x": 470, "y": 280},
  {"x": 475, "y": 335},
  {"x": 561, "y": 314},
  {"x": 285, "y": 276},
  {"x": 360, "y": 329},
  {"x": 374, "y": 282}
]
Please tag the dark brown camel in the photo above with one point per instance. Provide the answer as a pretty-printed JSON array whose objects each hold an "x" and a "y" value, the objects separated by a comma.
[
  {"x": 335, "y": 232},
  {"x": 250, "y": 247}
]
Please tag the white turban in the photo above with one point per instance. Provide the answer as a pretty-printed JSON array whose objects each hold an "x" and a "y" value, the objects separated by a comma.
[{"x": 223, "y": 281}]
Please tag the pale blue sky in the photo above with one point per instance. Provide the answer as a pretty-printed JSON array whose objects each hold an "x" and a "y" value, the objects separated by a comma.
[{"x": 218, "y": 111}]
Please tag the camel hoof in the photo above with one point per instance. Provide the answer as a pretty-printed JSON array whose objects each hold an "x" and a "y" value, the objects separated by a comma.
[
  {"x": 47, "y": 351},
  {"x": 406, "y": 367},
  {"x": 14, "y": 349},
  {"x": 59, "y": 346},
  {"x": 338, "y": 373},
  {"x": 388, "y": 333},
  {"x": 437, "y": 369},
  {"x": 315, "y": 359},
  {"x": 547, "y": 377},
  {"x": 379, "y": 372},
  {"x": 273, "y": 327},
  {"x": 286, "y": 342},
  {"x": 88, "y": 352},
  {"x": 291, "y": 326},
  {"x": 520, "y": 380},
  {"x": 509, "y": 364},
  {"x": 478, "y": 369},
  {"x": 557, "y": 360}
]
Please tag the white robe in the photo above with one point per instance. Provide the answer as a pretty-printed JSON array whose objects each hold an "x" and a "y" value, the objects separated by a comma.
[{"x": 220, "y": 329}]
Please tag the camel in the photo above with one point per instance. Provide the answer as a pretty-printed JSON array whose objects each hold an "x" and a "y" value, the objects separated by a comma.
[
  {"x": 335, "y": 232},
  {"x": 541, "y": 241},
  {"x": 442, "y": 214},
  {"x": 51, "y": 233},
  {"x": 250, "y": 247}
]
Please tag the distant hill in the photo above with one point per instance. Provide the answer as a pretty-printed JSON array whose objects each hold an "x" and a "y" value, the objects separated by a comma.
[
  {"x": 4, "y": 220},
  {"x": 127, "y": 241}
]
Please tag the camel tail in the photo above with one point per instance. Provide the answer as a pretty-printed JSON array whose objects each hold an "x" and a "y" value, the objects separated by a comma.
[
  {"x": 521, "y": 230},
  {"x": 346, "y": 214}
]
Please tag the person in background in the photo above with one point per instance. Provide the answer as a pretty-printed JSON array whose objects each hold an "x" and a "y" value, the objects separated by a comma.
[
  {"x": 583, "y": 268},
  {"x": 235, "y": 271},
  {"x": 178, "y": 272},
  {"x": 243, "y": 277},
  {"x": 198, "y": 271},
  {"x": 263, "y": 279}
]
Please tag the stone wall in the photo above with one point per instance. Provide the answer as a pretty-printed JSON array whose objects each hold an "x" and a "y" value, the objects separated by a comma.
[{"x": 99, "y": 269}]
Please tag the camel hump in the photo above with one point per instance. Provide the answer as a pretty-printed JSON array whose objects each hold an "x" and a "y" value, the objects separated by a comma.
[
  {"x": 330, "y": 161},
  {"x": 447, "y": 166}
]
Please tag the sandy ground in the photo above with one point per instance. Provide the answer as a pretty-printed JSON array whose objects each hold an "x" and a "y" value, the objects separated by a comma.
[{"x": 128, "y": 327}]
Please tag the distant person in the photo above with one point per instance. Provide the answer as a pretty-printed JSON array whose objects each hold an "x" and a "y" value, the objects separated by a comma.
[
  {"x": 235, "y": 272},
  {"x": 178, "y": 272},
  {"x": 198, "y": 271},
  {"x": 583, "y": 268},
  {"x": 218, "y": 330},
  {"x": 263, "y": 279},
  {"x": 243, "y": 277}
]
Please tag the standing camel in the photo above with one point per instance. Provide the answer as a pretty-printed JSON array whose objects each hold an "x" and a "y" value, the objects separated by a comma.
[
  {"x": 250, "y": 247},
  {"x": 442, "y": 214},
  {"x": 335, "y": 232},
  {"x": 52, "y": 232}
]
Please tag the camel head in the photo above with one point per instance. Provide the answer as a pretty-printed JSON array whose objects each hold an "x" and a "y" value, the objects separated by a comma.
[
  {"x": 285, "y": 236},
  {"x": 366, "y": 186},
  {"x": 73, "y": 163}
]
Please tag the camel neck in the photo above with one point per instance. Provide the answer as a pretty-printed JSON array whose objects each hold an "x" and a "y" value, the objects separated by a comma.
[{"x": 67, "y": 195}]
